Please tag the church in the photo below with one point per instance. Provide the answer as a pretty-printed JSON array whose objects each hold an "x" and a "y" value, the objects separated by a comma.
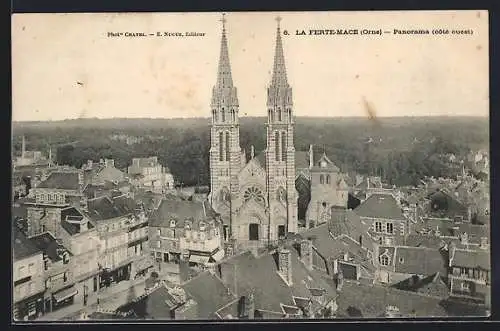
[{"x": 257, "y": 198}]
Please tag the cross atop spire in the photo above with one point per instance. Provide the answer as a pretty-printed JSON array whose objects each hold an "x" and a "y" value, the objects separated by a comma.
[
  {"x": 224, "y": 76},
  {"x": 223, "y": 20},
  {"x": 279, "y": 70}
]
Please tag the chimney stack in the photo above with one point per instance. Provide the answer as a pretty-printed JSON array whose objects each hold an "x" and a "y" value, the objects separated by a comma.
[
  {"x": 306, "y": 253},
  {"x": 484, "y": 243},
  {"x": 464, "y": 238},
  {"x": 285, "y": 265},
  {"x": 340, "y": 280},
  {"x": 311, "y": 156},
  {"x": 23, "y": 150},
  {"x": 249, "y": 306}
]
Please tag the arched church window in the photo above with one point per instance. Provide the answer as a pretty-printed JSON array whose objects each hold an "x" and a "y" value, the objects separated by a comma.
[
  {"x": 272, "y": 114},
  {"x": 253, "y": 193},
  {"x": 277, "y": 145},
  {"x": 224, "y": 195},
  {"x": 321, "y": 179},
  {"x": 233, "y": 115},
  {"x": 221, "y": 146},
  {"x": 280, "y": 118},
  {"x": 223, "y": 114},
  {"x": 328, "y": 179},
  {"x": 289, "y": 115},
  {"x": 281, "y": 195},
  {"x": 214, "y": 115},
  {"x": 283, "y": 146},
  {"x": 227, "y": 146}
]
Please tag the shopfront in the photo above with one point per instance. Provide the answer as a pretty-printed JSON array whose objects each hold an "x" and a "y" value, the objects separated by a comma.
[
  {"x": 64, "y": 297},
  {"x": 29, "y": 308}
]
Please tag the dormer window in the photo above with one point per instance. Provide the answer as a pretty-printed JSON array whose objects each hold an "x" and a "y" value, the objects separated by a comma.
[
  {"x": 172, "y": 223},
  {"x": 202, "y": 226},
  {"x": 384, "y": 260},
  {"x": 187, "y": 225},
  {"x": 65, "y": 258}
]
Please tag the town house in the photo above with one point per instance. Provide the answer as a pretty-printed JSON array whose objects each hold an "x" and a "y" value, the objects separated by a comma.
[
  {"x": 112, "y": 224},
  {"x": 80, "y": 237},
  {"x": 149, "y": 174},
  {"x": 470, "y": 274},
  {"x": 187, "y": 230},
  {"x": 388, "y": 224},
  {"x": 57, "y": 271},
  {"x": 28, "y": 286}
]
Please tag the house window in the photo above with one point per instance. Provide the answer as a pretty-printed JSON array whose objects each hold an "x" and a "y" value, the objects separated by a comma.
[
  {"x": 172, "y": 223},
  {"x": 321, "y": 179},
  {"x": 158, "y": 231},
  {"x": 390, "y": 228},
  {"x": 401, "y": 260},
  {"x": 463, "y": 271},
  {"x": 158, "y": 244},
  {"x": 328, "y": 179},
  {"x": 384, "y": 260},
  {"x": 378, "y": 226},
  {"x": 465, "y": 286}
]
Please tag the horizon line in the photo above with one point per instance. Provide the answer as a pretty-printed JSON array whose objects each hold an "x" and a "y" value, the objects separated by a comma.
[{"x": 208, "y": 117}]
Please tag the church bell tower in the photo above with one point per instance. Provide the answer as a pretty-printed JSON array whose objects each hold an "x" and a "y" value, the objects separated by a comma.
[
  {"x": 225, "y": 150},
  {"x": 280, "y": 152}
]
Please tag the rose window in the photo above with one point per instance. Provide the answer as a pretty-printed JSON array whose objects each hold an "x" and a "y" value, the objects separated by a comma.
[{"x": 255, "y": 194}]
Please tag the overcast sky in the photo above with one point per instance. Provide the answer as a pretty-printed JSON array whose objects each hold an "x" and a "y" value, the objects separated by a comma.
[{"x": 65, "y": 66}]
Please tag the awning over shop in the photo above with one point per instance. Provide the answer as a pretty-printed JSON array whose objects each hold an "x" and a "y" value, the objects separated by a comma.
[
  {"x": 65, "y": 294},
  {"x": 219, "y": 255},
  {"x": 199, "y": 259}
]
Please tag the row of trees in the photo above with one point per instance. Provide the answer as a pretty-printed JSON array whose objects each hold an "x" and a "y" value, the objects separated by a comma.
[{"x": 401, "y": 151}]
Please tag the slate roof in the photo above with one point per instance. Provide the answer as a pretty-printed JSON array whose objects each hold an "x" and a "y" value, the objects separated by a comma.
[
  {"x": 180, "y": 210},
  {"x": 419, "y": 260},
  {"x": 23, "y": 247},
  {"x": 301, "y": 160},
  {"x": 155, "y": 305},
  {"x": 104, "y": 208},
  {"x": 471, "y": 259},
  {"x": 261, "y": 158},
  {"x": 371, "y": 301},
  {"x": 47, "y": 243},
  {"x": 380, "y": 206},
  {"x": 61, "y": 181},
  {"x": 210, "y": 294},
  {"x": 434, "y": 285},
  {"x": 259, "y": 275},
  {"x": 429, "y": 241},
  {"x": 328, "y": 247},
  {"x": 330, "y": 166}
]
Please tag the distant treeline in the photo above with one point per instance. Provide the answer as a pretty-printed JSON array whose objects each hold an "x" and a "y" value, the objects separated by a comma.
[{"x": 401, "y": 150}]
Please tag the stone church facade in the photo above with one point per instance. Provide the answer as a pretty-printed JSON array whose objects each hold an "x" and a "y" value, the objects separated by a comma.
[{"x": 257, "y": 199}]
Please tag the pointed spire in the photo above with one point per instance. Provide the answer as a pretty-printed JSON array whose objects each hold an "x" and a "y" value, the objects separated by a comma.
[
  {"x": 224, "y": 77},
  {"x": 279, "y": 69}
]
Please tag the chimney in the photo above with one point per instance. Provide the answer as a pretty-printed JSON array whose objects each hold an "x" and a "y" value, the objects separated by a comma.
[
  {"x": 285, "y": 265},
  {"x": 340, "y": 280},
  {"x": 89, "y": 164},
  {"x": 464, "y": 238},
  {"x": 451, "y": 252},
  {"x": 311, "y": 156},
  {"x": 346, "y": 256},
  {"x": 252, "y": 152},
  {"x": 484, "y": 243},
  {"x": 110, "y": 163},
  {"x": 249, "y": 306},
  {"x": 306, "y": 253},
  {"x": 23, "y": 149}
]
